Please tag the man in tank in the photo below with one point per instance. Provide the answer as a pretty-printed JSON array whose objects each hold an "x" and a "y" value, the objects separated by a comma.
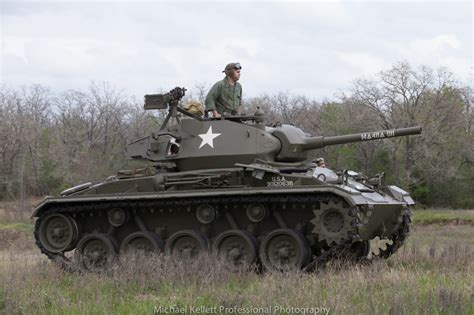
[
  {"x": 320, "y": 162},
  {"x": 225, "y": 96}
]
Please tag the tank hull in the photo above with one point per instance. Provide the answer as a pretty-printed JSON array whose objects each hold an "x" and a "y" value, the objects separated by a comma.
[{"x": 210, "y": 208}]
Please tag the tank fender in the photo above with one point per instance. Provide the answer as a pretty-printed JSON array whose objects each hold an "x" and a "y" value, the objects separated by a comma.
[
  {"x": 75, "y": 189},
  {"x": 400, "y": 195},
  {"x": 40, "y": 207}
]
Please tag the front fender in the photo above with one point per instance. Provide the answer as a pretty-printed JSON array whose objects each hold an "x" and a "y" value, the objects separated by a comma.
[{"x": 399, "y": 194}]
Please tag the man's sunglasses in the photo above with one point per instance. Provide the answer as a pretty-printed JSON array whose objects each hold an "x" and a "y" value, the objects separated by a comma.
[{"x": 237, "y": 66}]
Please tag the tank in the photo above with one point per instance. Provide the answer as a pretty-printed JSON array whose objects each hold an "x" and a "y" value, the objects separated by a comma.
[{"x": 230, "y": 186}]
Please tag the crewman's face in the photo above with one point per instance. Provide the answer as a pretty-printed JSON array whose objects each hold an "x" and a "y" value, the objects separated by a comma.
[{"x": 235, "y": 75}]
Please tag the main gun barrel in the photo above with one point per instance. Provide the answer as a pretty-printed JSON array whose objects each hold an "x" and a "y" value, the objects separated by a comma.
[{"x": 320, "y": 142}]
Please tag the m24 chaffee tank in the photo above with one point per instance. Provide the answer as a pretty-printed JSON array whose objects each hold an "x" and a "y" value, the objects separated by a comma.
[{"x": 230, "y": 186}]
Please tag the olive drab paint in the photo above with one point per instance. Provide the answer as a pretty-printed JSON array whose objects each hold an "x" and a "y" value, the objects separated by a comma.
[{"x": 214, "y": 182}]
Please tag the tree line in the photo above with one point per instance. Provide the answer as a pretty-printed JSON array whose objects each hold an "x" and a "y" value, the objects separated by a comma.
[{"x": 50, "y": 141}]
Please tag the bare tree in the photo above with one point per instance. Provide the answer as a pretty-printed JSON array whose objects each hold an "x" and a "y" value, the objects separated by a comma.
[{"x": 404, "y": 97}]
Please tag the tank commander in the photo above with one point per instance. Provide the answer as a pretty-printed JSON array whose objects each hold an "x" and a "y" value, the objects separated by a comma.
[{"x": 225, "y": 96}]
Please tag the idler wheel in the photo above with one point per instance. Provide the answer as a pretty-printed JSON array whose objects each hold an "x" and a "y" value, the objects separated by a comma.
[
  {"x": 284, "y": 249},
  {"x": 238, "y": 248},
  {"x": 186, "y": 245},
  {"x": 58, "y": 232},
  {"x": 142, "y": 243},
  {"x": 96, "y": 251}
]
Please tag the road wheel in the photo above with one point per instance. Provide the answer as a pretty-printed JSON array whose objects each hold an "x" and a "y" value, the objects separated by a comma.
[
  {"x": 141, "y": 243},
  {"x": 96, "y": 251},
  {"x": 237, "y": 248},
  {"x": 284, "y": 249},
  {"x": 186, "y": 245}
]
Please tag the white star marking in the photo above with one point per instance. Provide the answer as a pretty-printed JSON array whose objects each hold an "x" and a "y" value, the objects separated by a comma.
[{"x": 208, "y": 138}]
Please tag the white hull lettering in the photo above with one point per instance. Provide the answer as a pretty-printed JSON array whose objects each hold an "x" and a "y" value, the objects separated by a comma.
[{"x": 280, "y": 182}]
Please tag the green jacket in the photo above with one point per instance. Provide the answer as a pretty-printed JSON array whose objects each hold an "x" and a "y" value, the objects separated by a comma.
[{"x": 224, "y": 97}]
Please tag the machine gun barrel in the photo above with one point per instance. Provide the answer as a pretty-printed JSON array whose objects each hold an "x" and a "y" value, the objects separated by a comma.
[{"x": 320, "y": 142}]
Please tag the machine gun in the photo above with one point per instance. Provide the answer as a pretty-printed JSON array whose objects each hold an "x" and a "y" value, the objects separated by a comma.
[
  {"x": 162, "y": 101},
  {"x": 168, "y": 101}
]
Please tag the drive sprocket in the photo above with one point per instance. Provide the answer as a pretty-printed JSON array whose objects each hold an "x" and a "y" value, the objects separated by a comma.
[{"x": 335, "y": 222}]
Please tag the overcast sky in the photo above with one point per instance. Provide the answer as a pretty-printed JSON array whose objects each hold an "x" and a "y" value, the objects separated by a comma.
[{"x": 315, "y": 49}]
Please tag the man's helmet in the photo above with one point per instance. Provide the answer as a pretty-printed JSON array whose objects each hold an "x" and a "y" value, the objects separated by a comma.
[{"x": 231, "y": 67}]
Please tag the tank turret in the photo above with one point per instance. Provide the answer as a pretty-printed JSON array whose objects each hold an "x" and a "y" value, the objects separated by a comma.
[{"x": 192, "y": 142}]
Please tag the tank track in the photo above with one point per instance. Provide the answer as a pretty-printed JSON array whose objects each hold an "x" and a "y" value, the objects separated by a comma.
[
  {"x": 399, "y": 238},
  {"x": 292, "y": 211}
]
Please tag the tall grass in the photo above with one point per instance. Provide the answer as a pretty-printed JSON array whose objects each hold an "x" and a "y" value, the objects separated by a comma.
[{"x": 432, "y": 274}]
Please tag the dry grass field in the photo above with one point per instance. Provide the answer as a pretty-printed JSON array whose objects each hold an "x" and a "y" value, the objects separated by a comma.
[{"x": 432, "y": 274}]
